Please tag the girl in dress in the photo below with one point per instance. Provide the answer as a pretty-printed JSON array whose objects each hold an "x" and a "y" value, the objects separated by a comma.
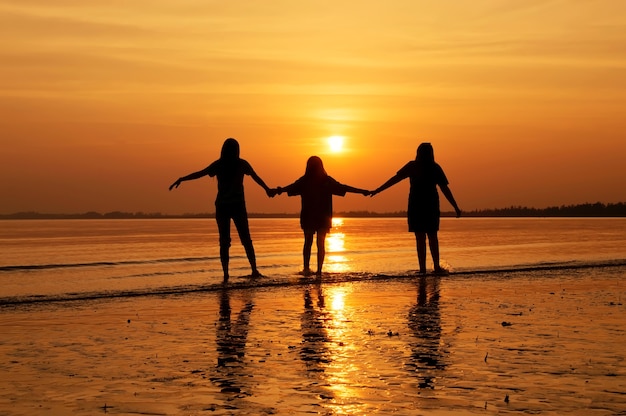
[
  {"x": 423, "y": 212},
  {"x": 230, "y": 203},
  {"x": 316, "y": 189}
]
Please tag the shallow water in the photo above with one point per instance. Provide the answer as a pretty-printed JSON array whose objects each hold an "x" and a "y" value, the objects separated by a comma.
[
  {"x": 543, "y": 342},
  {"x": 130, "y": 317},
  {"x": 60, "y": 259}
]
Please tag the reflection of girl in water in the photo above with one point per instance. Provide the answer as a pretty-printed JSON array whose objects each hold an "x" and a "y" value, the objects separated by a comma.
[
  {"x": 423, "y": 212},
  {"x": 231, "y": 338},
  {"x": 427, "y": 358},
  {"x": 314, "y": 319},
  {"x": 316, "y": 188},
  {"x": 230, "y": 203}
]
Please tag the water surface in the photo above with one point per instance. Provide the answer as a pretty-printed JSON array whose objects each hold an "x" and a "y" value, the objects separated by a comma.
[{"x": 48, "y": 259}]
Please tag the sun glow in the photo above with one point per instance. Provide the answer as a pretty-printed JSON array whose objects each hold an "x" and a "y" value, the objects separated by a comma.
[
  {"x": 336, "y": 261},
  {"x": 335, "y": 143}
]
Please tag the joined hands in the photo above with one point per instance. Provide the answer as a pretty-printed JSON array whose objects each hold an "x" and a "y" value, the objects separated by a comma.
[{"x": 272, "y": 192}]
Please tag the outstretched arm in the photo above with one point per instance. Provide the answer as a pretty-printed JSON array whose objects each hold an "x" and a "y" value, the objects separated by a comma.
[
  {"x": 391, "y": 182},
  {"x": 190, "y": 177},
  {"x": 270, "y": 192},
  {"x": 445, "y": 190},
  {"x": 289, "y": 189},
  {"x": 357, "y": 190}
]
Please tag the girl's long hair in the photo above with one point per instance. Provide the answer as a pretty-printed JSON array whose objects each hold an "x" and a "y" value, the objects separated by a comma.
[
  {"x": 425, "y": 154},
  {"x": 315, "y": 169},
  {"x": 230, "y": 149}
]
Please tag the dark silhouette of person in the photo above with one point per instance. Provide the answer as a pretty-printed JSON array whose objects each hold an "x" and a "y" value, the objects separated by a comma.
[
  {"x": 423, "y": 211},
  {"x": 424, "y": 320},
  {"x": 230, "y": 203},
  {"x": 316, "y": 188}
]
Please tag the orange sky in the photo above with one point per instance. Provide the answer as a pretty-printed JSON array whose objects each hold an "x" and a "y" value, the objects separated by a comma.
[{"x": 103, "y": 104}]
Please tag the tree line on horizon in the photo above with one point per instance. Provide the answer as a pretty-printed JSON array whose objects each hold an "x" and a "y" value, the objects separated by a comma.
[{"x": 597, "y": 209}]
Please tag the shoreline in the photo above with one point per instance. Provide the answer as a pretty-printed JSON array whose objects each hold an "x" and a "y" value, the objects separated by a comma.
[{"x": 267, "y": 281}]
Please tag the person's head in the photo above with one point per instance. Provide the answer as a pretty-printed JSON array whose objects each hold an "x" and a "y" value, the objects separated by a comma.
[
  {"x": 230, "y": 149},
  {"x": 314, "y": 167},
  {"x": 425, "y": 153}
]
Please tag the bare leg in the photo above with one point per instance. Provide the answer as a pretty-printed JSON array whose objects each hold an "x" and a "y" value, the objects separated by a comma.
[
  {"x": 251, "y": 258},
  {"x": 321, "y": 250},
  {"x": 224, "y": 258},
  {"x": 306, "y": 252},
  {"x": 433, "y": 243},
  {"x": 420, "y": 241},
  {"x": 223, "y": 227},
  {"x": 244, "y": 235}
]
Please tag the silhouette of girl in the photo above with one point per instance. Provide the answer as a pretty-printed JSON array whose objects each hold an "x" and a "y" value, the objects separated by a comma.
[
  {"x": 316, "y": 188},
  {"x": 230, "y": 203},
  {"x": 423, "y": 212}
]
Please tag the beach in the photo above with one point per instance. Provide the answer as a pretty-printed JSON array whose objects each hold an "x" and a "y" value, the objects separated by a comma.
[{"x": 528, "y": 342}]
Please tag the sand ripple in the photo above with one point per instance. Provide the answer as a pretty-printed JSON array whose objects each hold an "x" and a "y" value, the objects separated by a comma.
[{"x": 546, "y": 342}]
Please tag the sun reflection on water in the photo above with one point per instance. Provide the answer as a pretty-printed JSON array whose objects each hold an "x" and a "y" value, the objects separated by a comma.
[
  {"x": 342, "y": 373},
  {"x": 338, "y": 301},
  {"x": 335, "y": 245}
]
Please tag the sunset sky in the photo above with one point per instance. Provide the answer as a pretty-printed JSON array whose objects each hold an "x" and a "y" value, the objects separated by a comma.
[{"x": 103, "y": 104}]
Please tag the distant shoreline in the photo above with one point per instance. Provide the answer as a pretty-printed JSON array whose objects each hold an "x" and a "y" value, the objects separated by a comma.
[{"x": 582, "y": 210}]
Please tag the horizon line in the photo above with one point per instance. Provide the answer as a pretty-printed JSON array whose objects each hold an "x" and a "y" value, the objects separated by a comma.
[{"x": 585, "y": 210}]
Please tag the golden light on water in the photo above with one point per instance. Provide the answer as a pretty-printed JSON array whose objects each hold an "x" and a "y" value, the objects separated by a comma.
[
  {"x": 338, "y": 301},
  {"x": 336, "y": 242},
  {"x": 343, "y": 373},
  {"x": 335, "y": 245},
  {"x": 337, "y": 222}
]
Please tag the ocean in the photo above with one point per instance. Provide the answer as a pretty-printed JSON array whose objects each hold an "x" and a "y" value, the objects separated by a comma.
[
  {"x": 50, "y": 260},
  {"x": 130, "y": 317}
]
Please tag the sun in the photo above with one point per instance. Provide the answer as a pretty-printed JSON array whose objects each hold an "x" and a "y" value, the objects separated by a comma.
[{"x": 335, "y": 143}]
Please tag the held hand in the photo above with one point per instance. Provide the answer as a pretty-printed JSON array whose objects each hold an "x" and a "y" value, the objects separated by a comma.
[
  {"x": 374, "y": 192},
  {"x": 175, "y": 184},
  {"x": 271, "y": 192}
]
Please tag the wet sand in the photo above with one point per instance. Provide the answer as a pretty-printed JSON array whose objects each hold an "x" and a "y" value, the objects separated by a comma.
[{"x": 548, "y": 342}]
